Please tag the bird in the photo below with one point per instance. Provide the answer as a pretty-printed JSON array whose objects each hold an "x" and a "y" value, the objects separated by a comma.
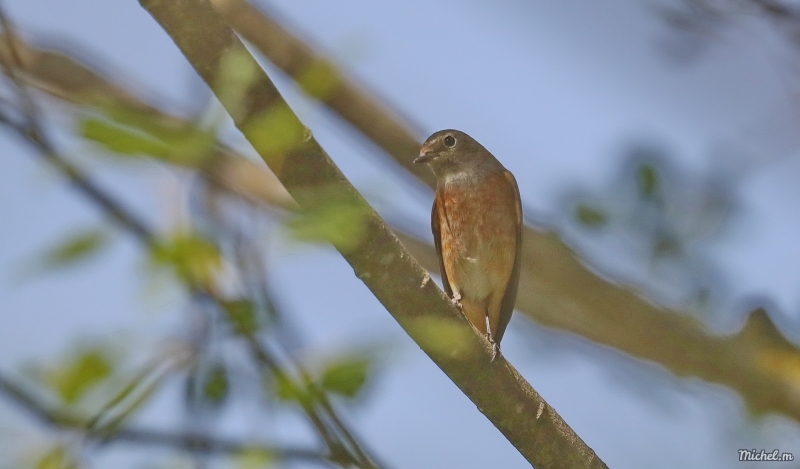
[{"x": 477, "y": 229}]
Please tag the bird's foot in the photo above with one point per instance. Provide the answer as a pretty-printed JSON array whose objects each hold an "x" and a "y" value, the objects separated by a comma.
[
  {"x": 490, "y": 338},
  {"x": 457, "y": 300},
  {"x": 495, "y": 346}
]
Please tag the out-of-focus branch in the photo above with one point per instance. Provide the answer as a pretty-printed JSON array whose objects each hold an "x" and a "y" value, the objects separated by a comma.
[
  {"x": 556, "y": 288},
  {"x": 604, "y": 312},
  {"x": 344, "y": 447},
  {"x": 186, "y": 441},
  {"x": 342, "y": 94},
  {"x": 379, "y": 260},
  {"x": 73, "y": 81}
]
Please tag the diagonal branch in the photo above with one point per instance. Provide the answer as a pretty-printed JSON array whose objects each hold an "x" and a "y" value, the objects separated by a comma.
[
  {"x": 344, "y": 447},
  {"x": 380, "y": 261},
  {"x": 556, "y": 288},
  {"x": 593, "y": 308}
]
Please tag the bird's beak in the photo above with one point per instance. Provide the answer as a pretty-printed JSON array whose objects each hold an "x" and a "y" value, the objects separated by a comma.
[{"x": 425, "y": 155}]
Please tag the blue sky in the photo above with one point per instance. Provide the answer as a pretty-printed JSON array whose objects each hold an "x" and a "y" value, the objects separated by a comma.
[{"x": 557, "y": 91}]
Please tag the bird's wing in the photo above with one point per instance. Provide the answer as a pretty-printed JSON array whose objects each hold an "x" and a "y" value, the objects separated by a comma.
[
  {"x": 510, "y": 296},
  {"x": 437, "y": 240}
]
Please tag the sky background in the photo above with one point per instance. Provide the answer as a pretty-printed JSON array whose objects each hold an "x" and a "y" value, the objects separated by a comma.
[{"x": 558, "y": 91}]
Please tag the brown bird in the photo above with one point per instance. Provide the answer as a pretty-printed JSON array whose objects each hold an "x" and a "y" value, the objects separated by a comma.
[{"x": 477, "y": 229}]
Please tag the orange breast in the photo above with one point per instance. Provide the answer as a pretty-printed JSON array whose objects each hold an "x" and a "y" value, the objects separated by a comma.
[{"x": 478, "y": 223}]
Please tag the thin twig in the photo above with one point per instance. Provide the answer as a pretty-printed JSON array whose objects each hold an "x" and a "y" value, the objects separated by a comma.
[
  {"x": 32, "y": 132},
  {"x": 188, "y": 441}
]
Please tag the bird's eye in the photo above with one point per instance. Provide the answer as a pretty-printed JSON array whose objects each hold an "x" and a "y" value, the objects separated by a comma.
[{"x": 449, "y": 141}]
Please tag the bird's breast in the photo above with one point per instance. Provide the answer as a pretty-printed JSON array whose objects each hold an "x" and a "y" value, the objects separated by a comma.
[{"x": 477, "y": 220}]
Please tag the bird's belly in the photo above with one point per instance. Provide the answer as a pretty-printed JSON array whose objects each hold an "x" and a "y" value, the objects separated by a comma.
[
  {"x": 482, "y": 249},
  {"x": 470, "y": 275}
]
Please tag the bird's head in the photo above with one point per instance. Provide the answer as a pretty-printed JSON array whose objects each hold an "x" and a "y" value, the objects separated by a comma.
[{"x": 449, "y": 150}]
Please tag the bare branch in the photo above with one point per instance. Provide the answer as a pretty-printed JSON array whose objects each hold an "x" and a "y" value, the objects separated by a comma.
[{"x": 186, "y": 441}]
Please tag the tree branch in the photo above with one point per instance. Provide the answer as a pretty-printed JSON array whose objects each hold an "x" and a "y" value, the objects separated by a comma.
[
  {"x": 187, "y": 441},
  {"x": 601, "y": 311},
  {"x": 380, "y": 261},
  {"x": 344, "y": 448},
  {"x": 556, "y": 287}
]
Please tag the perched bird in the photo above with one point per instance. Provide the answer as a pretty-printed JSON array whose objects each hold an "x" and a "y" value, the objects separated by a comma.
[{"x": 477, "y": 229}]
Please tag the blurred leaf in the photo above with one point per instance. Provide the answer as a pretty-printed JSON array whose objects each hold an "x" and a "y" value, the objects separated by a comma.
[
  {"x": 590, "y": 217},
  {"x": 243, "y": 316},
  {"x": 319, "y": 79},
  {"x": 73, "y": 379},
  {"x": 74, "y": 249},
  {"x": 194, "y": 259},
  {"x": 121, "y": 140},
  {"x": 215, "y": 387},
  {"x": 275, "y": 132},
  {"x": 57, "y": 458},
  {"x": 255, "y": 459},
  {"x": 339, "y": 223},
  {"x": 648, "y": 179},
  {"x": 442, "y": 336},
  {"x": 288, "y": 390},
  {"x": 346, "y": 377},
  {"x": 238, "y": 71},
  {"x": 134, "y": 132}
]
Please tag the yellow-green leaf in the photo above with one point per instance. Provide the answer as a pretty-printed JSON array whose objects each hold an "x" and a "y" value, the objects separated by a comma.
[
  {"x": 194, "y": 259},
  {"x": 590, "y": 216},
  {"x": 134, "y": 133},
  {"x": 87, "y": 369},
  {"x": 288, "y": 389},
  {"x": 648, "y": 179},
  {"x": 275, "y": 132},
  {"x": 255, "y": 459},
  {"x": 242, "y": 315},
  {"x": 122, "y": 140},
  {"x": 74, "y": 248},
  {"x": 442, "y": 336},
  {"x": 57, "y": 457},
  {"x": 238, "y": 71},
  {"x": 215, "y": 387},
  {"x": 346, "y": 377},
  {"x": 339, "y": 223},
  {"x": 319, "y": 79}
]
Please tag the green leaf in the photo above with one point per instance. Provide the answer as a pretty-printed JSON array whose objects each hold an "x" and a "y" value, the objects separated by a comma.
[
  {"x": 237, "y": 72},
  {"x": 288, "y": 389},
  {"x": 340, "y": 223},
  {"x": 83, "y": 372},
  {"x": 194, "y": 259},
  {"x": 134, "y": 132},
  {"x": 319, "y": 79},
  {"x": 648, "y": 179},
  {"x": 57, "y": 457},
  {"x": 346, "y": 377},
  {"x": 442, "y": 336},
  {"x": 242, "y": 315},
  {"x": 122, "y": 140},
  {"x": 255, "y": 458},
  {"x": 215, "y": 387},
  {"x": 590, "y": 216},
  {"x": 275, "y": 132},
  {"x": 75, "y": 248}
]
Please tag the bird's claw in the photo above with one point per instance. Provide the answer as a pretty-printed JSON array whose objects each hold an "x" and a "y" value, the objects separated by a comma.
[
  {"x": 495, "y": 347},
  {"x": 457, "y": 300}
]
